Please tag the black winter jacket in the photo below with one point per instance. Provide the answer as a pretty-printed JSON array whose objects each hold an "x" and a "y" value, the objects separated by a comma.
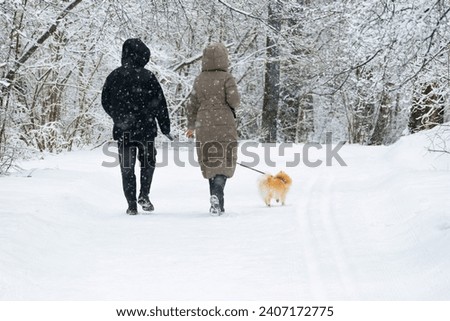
[{"x": 133, "y": 97}]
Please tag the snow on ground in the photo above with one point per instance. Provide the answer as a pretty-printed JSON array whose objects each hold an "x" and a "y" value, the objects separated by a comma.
[{"x": 378, "y": 229}]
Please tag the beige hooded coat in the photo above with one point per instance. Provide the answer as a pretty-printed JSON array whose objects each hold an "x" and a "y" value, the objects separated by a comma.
[{"x": 210, "y": 114}]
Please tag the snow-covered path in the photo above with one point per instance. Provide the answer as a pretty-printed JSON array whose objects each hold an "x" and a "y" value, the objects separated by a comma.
[
  {"x": 65, "y": 236},
  {"x": 378, "y": 229}
]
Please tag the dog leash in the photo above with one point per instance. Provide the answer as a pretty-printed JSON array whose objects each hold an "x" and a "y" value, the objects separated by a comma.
[{"x": 253, "y": 169}]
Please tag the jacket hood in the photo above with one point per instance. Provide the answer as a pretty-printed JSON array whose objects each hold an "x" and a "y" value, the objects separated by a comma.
[
  {"x": 215, "y": 57},
  {"x": 135, "y": 53}
]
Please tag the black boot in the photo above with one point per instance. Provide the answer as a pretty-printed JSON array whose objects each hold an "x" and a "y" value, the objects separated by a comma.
[
  {"x": 216, "y": 189},
  {"x": 215, "y": 206},
  {"x": 144, "y": 201},
  {"x": 132, "y": 209},
  {"x": 146, "y": 155},
  {"x": 127, "y": 156}
]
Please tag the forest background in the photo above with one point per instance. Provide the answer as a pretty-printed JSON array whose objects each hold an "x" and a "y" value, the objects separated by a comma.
[{"x": 367, "y": 71}]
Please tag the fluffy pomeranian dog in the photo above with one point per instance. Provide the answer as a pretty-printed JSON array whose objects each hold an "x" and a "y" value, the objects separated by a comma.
[{"x": 275, "y": 187}]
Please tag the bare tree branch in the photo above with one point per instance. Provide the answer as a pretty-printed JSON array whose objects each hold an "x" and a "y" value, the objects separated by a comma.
[
  {"x": 439, "y": 151},
  {"x": 11, "y": 74},
  {"x": 193, "y": 59},
  {"x": 247, "y": 14}
]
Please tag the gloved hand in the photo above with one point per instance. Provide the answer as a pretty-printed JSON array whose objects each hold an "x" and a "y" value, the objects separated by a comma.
[{"x": 189, "y": 133}]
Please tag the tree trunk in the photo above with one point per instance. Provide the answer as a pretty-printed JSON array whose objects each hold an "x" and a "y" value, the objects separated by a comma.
[
  {"x": 427, "y": 110},
  {"x": 382, "y": 122},
  {"x": 305, "y": 119},
  {"x": 272, "y": 75},
  {"x": 296, "y": 116}
]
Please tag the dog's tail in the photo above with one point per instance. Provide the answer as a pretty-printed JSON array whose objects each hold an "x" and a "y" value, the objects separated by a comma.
[{"x": 284, "y": 177}]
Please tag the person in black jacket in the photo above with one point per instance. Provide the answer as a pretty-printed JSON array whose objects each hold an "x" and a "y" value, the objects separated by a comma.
[{"x": 133, "y": 97}]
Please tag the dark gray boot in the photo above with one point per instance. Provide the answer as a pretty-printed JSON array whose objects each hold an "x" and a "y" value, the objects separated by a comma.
[{"x": 216, "y": 188}]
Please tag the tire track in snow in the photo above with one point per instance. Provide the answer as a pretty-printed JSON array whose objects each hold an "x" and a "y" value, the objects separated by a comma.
[
  {"x": 337, "y": 245},
  {"x": 309, "y": 248},
  {"x": 327, "y": 261}
]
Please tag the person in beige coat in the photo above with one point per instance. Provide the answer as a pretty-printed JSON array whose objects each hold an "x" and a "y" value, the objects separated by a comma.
[{"x": 211, "y": 116}]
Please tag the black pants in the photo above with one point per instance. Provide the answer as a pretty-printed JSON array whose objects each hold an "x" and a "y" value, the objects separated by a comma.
[
  {"x": 216, "y": 187},
  {"x": 146, "y": 154}
]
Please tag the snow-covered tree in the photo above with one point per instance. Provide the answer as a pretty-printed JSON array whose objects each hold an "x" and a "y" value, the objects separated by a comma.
[{"x": 353, "y": 68}]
